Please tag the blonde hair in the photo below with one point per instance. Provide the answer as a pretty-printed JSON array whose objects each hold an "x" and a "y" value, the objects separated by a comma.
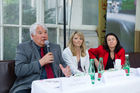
[{"x": 82, "y": 47}]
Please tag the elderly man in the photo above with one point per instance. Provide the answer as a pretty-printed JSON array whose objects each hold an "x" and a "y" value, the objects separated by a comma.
[{"x": 34, "y": 61}]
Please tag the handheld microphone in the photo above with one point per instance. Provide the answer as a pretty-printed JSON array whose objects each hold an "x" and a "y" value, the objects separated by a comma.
[{"x": 48, "y": 45}]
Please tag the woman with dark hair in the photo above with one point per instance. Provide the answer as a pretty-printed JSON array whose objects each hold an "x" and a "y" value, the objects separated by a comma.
[{"x": 110, "y": 51}]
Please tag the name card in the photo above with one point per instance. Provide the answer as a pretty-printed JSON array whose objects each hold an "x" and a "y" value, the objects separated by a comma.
[
  {"x": 76, "y": 82},
  {"x": 117, "y": 64},
  {"x": 113, "y": 76},
  {"x": 137, "y": 73}
]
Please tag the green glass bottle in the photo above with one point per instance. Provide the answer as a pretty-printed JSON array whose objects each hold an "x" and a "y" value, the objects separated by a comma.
[
  {"x": 100, "y": 68},
  {"x": 91, "y": 71},
  {"x": 126, "y": 67}
]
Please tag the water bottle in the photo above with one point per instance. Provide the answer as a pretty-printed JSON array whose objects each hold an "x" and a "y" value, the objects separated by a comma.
[
  {"x": 126, "y": 66},
  {"x": 91, "y": 71},
  {"x": 100, "y": 68}
]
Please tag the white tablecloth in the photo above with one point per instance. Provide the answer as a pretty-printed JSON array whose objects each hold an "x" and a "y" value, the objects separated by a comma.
[{"x": 128, "y": 84}]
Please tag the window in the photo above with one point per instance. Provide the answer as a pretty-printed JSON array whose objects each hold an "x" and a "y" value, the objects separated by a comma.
[
  {"x": 10, "y": 11},
  {"x": 16, "y": 16},
  {"x": 28, "y": 12},
  {"x": 50, "y": 11}
]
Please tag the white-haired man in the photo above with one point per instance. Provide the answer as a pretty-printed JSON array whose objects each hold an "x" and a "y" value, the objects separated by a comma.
[{"x": 33, "y": 61}]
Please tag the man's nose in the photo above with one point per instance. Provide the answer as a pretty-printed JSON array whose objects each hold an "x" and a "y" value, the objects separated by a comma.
[{"x": 44, "y": 34}]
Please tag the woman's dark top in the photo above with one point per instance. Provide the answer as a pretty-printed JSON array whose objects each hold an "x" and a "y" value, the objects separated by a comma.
[
  {"x": 79, "y": 66},
  {"x": 110, "y": 63}
]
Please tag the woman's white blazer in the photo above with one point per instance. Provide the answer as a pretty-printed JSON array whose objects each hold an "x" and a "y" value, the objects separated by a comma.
[{"x": 72, "y": 61}]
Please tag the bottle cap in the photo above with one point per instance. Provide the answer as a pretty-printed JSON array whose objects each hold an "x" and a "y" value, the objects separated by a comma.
[
  {"x": 126, "y": 55},
  {"x": 91, "y": 59},
  {"x": 100, "y": 58}
]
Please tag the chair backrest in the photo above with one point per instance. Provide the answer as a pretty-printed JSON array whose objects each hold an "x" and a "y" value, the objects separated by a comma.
[
  {"x": 7, "y": 75},
  {"x": 134, "y": 59}
]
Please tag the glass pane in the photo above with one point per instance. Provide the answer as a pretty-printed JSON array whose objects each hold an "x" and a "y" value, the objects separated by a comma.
[
  {"x": 28, "y": 12},
  {"x": 90, "y": 12},
  {"x": 50, "y": 11},
  {"x": 52, "y": 35},
  {"x": 11, "y": 11},
  {"x": 11, "y": 39},
  {"x": 25, "y": 34}
]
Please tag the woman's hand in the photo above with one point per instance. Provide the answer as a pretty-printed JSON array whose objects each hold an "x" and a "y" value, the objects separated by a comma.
[{"x": 96, "y": 63}]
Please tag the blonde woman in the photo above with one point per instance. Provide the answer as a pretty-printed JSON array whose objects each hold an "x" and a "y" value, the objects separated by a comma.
[{"x": 76, "y": 55}]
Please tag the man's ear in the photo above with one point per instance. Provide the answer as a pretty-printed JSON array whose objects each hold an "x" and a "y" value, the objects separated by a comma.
[{"x": 32, "y": 35}]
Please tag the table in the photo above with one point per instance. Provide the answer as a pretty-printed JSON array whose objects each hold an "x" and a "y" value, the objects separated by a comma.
[{"x": 129, "y": 84}]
